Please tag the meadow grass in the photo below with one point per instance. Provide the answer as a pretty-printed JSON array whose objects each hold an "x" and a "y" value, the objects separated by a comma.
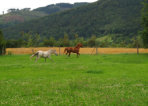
[{"x": 110, "y": 80}]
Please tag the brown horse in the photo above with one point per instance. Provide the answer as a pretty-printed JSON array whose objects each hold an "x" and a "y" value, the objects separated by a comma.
[{"x": 68, "y": 50}]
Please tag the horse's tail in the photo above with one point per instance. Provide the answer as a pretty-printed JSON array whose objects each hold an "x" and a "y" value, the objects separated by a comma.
[{"x": 35, "y": 54}]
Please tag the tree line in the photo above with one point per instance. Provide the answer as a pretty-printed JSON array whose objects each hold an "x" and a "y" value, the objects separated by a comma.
[{"x": 34, "y": 40}]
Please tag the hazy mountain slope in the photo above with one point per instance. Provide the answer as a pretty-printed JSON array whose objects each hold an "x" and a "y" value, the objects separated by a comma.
[{"x": 19, "y": 16}]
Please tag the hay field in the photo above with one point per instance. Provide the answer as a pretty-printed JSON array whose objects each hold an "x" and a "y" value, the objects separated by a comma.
[{"x": 82, "y": 50}]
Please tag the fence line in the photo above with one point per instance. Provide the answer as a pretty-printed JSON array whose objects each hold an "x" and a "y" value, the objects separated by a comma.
[{"x": 82, "y": 50}]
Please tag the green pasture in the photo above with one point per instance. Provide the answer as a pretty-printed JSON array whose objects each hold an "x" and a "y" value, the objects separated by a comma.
[{"x": 90, "y": 80}]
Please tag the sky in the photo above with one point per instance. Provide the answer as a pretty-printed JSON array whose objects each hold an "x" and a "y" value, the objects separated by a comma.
[{"x": 19, "y": 4}]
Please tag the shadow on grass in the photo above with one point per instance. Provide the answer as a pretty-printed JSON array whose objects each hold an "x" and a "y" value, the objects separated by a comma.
[{"x": 95, "y": 72}]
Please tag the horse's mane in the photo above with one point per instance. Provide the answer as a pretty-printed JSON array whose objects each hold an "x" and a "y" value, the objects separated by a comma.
[
  {"x": 51, "y": 50},
  {"x": 78, "y": 45}
]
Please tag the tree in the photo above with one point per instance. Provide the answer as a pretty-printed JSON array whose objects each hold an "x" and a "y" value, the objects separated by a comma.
[
  {"x": 2, "y": 44},
  {"x": 52, "y": 41},
  {"x": 60, "y": 42},
  {"x": 46, "y": 42},
  {"x": 144, "y": 32},
  {"x": 92, "y": 41},
  {"x": 105, "y": 41},
  {"x": 36, "y": 40},
  {"x": 66, "y": 41},
  {"x": 28, "y": 39},
  {"x": 137, "y": 43},
  {"x": 76, "y": 36},
  {"x": 14, "y": 43}
]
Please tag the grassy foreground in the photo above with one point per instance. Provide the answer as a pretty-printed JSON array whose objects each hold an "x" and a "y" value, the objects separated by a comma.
[{"x": 88, "y": 80}]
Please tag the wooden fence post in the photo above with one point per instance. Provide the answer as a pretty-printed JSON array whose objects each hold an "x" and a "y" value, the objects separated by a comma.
[
  {"x": 59, "y": 51},
  {"x": 33, "y": 51},
  {"x": 96, "y": 50},
  {"x": 137, "y": 49},
  {"x": 92, "y": 51}
]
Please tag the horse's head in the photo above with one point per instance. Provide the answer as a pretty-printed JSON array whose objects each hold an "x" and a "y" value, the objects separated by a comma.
[
  {"x": 52, "y": 51},
  {"x": 79, "y": 45},
  {"x": 55, "y": 52}
]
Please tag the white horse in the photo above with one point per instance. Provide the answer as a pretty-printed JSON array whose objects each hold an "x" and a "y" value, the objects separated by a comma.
[{"x": 44, "y": 54}]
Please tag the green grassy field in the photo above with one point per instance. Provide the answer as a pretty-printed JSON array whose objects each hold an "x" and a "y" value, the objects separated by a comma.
[{"x": 112, "y": 80}]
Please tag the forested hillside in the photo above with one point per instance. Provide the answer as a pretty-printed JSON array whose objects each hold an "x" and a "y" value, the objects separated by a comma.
[
  {"x": 120, "y": 18},
  {"x": 16, "y": 16}
]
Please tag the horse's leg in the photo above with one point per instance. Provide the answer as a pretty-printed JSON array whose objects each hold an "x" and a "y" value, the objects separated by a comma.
[
  {"x": 50, "y": 58},
  {"x": 32, "y": 56},
  {"x": 69, "y": 54},
  {"x": 66, "y": 53},
  {"x": 36, "y": 59},
  {"x": 78, "y": 54}
]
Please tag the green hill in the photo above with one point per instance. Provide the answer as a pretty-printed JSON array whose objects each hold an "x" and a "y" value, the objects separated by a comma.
[{"x": 118, "y": 17}]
